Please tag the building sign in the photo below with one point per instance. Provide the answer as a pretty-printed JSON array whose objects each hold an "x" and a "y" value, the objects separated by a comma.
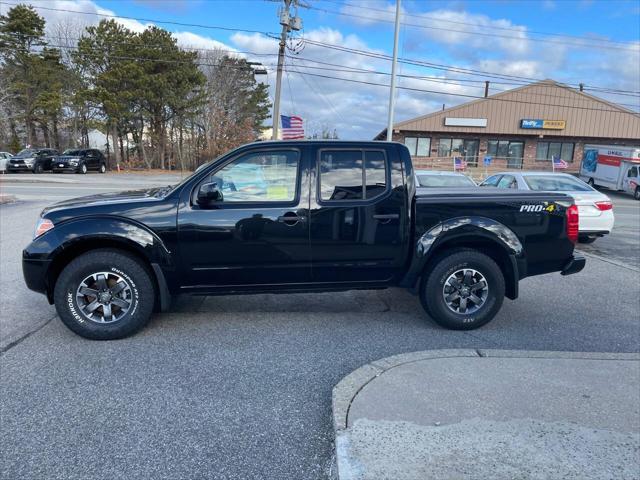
[
  {"x": 542, "y": 124},
  {"x": 465, "y": 122}
]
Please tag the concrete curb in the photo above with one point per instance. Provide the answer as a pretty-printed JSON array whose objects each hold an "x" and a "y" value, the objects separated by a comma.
[
  {"x": 44, "y": 178},
  {"x": 5, "y": 199},
  {"x": 349, "y": 387}
]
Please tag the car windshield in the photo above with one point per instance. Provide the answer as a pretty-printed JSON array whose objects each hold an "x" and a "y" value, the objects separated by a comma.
[
  {"x": 72, "y": 152},
  {"x": 27, "y": 152},
  {"x": 556, "y": 183},
  {"x": 439, "y": 181}
]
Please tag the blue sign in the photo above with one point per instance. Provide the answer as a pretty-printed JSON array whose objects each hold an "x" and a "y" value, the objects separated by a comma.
[
  {"x": 487, "y": 161},
  {"x": 528, "y": 123}
]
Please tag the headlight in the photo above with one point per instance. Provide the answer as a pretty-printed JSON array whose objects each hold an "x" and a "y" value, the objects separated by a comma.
[
  {"x": 29, "y": 161},
  {"x": 73, "y": 162},
  {"x": 43, "y": 226}
]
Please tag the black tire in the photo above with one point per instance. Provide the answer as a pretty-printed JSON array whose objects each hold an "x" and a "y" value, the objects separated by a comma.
[
  {"x": 103, "y": 168},
  {"x": 82, "y": 168},
  {"x": 432, "y": 289},
  {"x": 591, "y": 182},
  {"x": 141, "y": 294},
  {"x": 586, "y": 239},
  {"x": 38, "y": 168},
  {"x": 636, "y": 194}
]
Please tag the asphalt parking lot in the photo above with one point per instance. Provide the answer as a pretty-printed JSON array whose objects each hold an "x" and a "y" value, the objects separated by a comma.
[{"x": 240, "y": 387}]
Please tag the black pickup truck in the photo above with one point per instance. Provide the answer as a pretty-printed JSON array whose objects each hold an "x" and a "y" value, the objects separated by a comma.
[{"x": 299, "y": 216}]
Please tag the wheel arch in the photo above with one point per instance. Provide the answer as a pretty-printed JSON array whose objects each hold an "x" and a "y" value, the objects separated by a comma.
[
  {"x": 123, "y": 236},
  {"x": 474, "y": 233}
]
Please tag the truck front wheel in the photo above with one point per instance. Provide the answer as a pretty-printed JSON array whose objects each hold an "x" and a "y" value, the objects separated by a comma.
[
  {"x": 104, "y": 295},
  {"x": 463, "y": 291}
]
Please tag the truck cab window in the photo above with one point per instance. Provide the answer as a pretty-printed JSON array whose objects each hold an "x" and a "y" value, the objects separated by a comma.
[
  {"x": 269, "y": 176},
  {"x": 345, "y": 176}
]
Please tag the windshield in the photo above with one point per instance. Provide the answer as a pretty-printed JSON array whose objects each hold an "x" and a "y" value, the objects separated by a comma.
[
  {"x": 72, "y": 152},
  {"x": 27, "y": 152},
  {"x": 556, "y": 183},
  {"x": 439, "y": 181}
]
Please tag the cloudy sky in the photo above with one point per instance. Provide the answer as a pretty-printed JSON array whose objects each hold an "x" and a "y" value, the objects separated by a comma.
[{"x": 593, "y": 42}]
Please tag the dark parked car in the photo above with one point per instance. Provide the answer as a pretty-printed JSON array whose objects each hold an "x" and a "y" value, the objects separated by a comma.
[
  {"x": 301, "y": 216},
  {"x": 80, "y": 161},
  {"x": 35, "y": 160}
]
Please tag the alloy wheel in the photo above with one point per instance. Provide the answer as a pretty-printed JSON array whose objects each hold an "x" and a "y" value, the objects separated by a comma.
[
  {"x": 104, "y": 297},
  {"x": 465, "y": 291}
]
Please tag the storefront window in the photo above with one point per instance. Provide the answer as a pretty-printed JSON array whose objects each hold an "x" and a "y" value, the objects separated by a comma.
[
  {"x": 547, "y": 150},
  {"x": 418, "y": 146},
  {"x": 512, "y": 151},
  {"x": 450, "y": 147}
]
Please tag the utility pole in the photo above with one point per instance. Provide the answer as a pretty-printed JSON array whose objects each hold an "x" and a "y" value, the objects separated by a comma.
[
  {"x": 288, "y": 23},
  {"x": 393, "y": 74}
]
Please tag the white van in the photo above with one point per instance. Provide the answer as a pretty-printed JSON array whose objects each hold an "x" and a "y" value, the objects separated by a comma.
[{"x": 612, "y": 166}]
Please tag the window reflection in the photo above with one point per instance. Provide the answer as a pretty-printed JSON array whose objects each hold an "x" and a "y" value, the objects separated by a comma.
[{"x": 260, "y": 177}]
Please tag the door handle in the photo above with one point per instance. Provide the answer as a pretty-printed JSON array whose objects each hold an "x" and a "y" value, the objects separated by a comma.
[
  {"x": 290, "y": 218},
  {"x": 387, "y": 216}
]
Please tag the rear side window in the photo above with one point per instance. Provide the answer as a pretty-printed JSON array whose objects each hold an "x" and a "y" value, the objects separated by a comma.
[
  {"x": 507, "y": 181},
  {"x": 352, "y": 174},
  {"x": 491, "y": 181}
]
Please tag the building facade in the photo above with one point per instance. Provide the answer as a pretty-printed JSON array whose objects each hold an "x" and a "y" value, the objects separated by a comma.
[{"x": 523, "y": 128}]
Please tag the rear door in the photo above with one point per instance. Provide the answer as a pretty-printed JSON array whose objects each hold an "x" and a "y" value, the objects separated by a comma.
[{"x": 358, "y": 215}]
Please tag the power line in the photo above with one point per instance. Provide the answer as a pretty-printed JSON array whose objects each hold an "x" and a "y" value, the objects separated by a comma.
[
  {"x": 493, "y": 27},
  {"x": 461, "y": 70},
  {"x": 338, "y": 47},
  {"x": 462, "y": 95},
  {"x": 140, "y": 19},
  {"x": 188, "y": 62},
  {"x": 466, "y": 32}
]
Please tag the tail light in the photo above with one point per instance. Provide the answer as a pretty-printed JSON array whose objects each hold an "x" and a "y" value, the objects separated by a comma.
[
  {"x": 604, "y": 205},
  {"x": 573, "y": 221}
]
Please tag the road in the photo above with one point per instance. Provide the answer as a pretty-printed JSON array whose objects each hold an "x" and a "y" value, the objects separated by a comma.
[{"x": 240, "y": 387}]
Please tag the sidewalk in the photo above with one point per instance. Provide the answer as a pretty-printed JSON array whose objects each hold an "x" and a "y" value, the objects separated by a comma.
[{"x": 467, "y": 414}]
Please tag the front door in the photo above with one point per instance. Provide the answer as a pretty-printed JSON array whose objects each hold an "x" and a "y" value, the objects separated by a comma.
[
  {"x": 257, "y": 234},
  {"x": 471, "y": 152},
  {"x": 630, "y": 180},
  {"x": 358, "y": 215}
]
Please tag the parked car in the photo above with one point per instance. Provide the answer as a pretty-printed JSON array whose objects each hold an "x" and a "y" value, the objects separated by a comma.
[
  {"x": 334, "y": 216},
  {"x": 595, "y": 208},
  {"x": 4, "y": 159},
  {"x": 80, "y": 161},
  {"x": 440, "y": 179},
  {"x": 35, "y": 160}
]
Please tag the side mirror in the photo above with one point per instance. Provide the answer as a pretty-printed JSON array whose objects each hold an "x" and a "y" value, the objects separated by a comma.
[{"x": 209, "y": 192}]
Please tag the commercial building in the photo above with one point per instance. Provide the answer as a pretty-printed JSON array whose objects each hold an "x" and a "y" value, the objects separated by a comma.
[{"x": 523, "y": 128}]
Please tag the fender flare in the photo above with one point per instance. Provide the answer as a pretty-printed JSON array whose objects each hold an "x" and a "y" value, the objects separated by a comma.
[
  {"x": 56, "y": 246},
  {"x": 466, "y": 227}
]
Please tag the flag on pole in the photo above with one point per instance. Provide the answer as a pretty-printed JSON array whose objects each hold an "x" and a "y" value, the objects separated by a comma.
[
  {"x": 292, "y": 127},
  {"x": 558, "y": 163},
  {"x": 459, "y": 163}
]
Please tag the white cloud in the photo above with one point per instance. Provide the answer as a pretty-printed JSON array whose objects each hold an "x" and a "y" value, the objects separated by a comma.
[{"x": 359, "y": 110}]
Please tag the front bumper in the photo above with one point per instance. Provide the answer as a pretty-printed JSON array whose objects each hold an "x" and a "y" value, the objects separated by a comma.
[
  {"x": 65, "y": 168},
  {"x": 19, "y": 168},
  {"x": 575, "y": 265},
  {"x": 35, "y": 272}
]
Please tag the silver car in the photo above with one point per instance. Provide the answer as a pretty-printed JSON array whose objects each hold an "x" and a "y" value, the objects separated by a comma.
[
  {"x": 595, "y": 208},
  {"x": 440, "y": 179}
]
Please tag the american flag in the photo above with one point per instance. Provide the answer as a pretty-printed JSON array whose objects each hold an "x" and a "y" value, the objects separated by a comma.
[
  {"x": 291, "y": 127},
  {"x": 559, "y": 163},
  {"x": 459, "y": 163}
]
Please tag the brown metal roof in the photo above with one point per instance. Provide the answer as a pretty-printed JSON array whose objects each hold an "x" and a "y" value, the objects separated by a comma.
[{"x": 585, "y": 115}]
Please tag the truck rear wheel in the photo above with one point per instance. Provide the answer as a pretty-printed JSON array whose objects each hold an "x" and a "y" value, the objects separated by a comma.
[
  {"x": 464, "y": 290},
  {"x": 104, "y": 295}
]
